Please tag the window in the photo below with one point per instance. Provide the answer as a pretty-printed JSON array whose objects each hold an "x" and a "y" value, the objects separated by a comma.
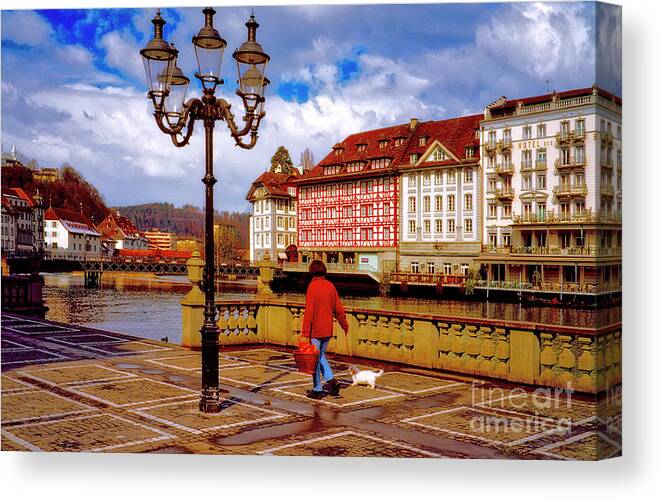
[
  {"x": 415, "y": 267},
  {"x": 447, "y": 268},
  {"x": 526, "y": 159},
  {"x": 527, "y": 133},
  {"x": 580, "y": 127},
  {"x": 426, "y": 179},
  {"x": 438, "y": 202},
  {"x": 527, "y": 182},
  {"x": 439, "y": 225},
  {"x": 468, "y": 175},
  {"x": 438, "y": 177},
  {"x": 450, "y": 203},
  {"x": 383, "y": 143},
  {"x": 411, "y": 226},
  {"x": 468, "y": 225},
  {"x": 564, "y": 128},
  {"x": 426, "y": 224},
  {"x": 493, "y": 211},
  {"x": 413, "y": 159},
  {"x": 361, "y": 147},
  {"x": 386, "y": 233},
  {"x": 580, "y": 180},
  {"x": 451, "y": 226},
  {"x": 426, "y": 204},
  {"x": 492, "y": 185},
  {"x": 411, "y": 204},
  {"x": 541, "y": 156},
  {"x": 527, "y": 210},
  {"x": 469, "y": 151},
  {"x": 281, "y": 240},
  {"x": 451, "y": 176},
  {"x": 564, "y": 156},
  {"x": 541, "y": 130},
  {"x": 464, "y": 269},
  {"x": 579, "y": 208},
  {"x": 579, "y": 154},
  {"x": 507, "y": 136},
  {"x": 399, "y": 141},
  {"x": 492, "y": 138},
  {"x": 541, "y": 181},
  {"x": 468, "y": 202},
  {"x": 430, "y": 267},
  {"x": 541, "y": 211},
  {"x": 422, "y": 141},
  {"x": 439, "y": 155},
  {"x": 386, "y": 209},
  {"x": 411, "y": 180}
]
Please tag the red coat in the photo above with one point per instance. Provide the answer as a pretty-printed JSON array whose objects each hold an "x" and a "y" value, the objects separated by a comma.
[{"x": 322, "y": 304}]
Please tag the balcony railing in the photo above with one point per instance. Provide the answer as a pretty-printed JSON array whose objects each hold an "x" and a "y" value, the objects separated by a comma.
[
  {"x": 571, "y": 163},
  {"x": 606, "y": 137},
  {"x": 526, "y": 166},
  {"x": 490, "y": 147},
  {"x": 436, "y": 278},
  {"x": 505, "y": 193},
  {"x": 569, "y": 251},
  {"x": 563, "y": 104},
  {"x": 567, "y": 190},
  {"x": 552, "y": 286},
  {"x": 504, "y": 145},
  {"x": 607, "y": 190},
  {"x": 586, "y": 216},
  {"x": 505, "y": 168}
]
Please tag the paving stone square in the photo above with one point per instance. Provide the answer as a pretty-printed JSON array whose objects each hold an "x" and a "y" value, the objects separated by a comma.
[
  {"x": 10, "y": 384},
  {"x": 75, "y": 374},
  {"x": 348, "y": 444},
  {"x": 487, "y": 426},
  {"x": 359, "y": 395},
  {"x": 261, "y": 355},
  {"x": 193, "y": 362},
  {"x": 586, "y": 446},
  {"x": 36, "y": 404},
  {"x": 103, "y": 432},
  {"x": 186, "y": 416},
  {"x": 86, "y": 339},
  {"x": 261, "y": 376},
  {"x": 10, "y": 345},
  {"x": 127, "y": 347},
  {"x": 31, "y": 355},
  {"x": 411, "y": 383},
  {"x": 132, "y": 391}
]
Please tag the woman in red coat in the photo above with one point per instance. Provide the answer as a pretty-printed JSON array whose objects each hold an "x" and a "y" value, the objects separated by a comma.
[{"x": 322, "y": 305}]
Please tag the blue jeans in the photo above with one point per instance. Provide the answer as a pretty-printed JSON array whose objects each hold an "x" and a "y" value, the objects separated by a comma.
[{"x": 323, "y": 368}]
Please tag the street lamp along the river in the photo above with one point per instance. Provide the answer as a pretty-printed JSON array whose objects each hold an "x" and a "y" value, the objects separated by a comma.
[{"x": 168, "y": 87}]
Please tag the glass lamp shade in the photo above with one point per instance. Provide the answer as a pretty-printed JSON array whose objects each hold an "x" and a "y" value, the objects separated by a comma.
[
  {"x": 174, "y": 102},
  {"x": 159, "y": 59},
  {"x": 209, "y": 48},
  {"x": 251, "y": 63}
]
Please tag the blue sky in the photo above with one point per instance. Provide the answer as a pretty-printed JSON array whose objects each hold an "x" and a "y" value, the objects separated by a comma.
[{"x": 73, "y": 85}]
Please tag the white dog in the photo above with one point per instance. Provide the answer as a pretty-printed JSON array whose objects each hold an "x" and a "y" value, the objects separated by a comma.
[{"x": 364, "y": 377}]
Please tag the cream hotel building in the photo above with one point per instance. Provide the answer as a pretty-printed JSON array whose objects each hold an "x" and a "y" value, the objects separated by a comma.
[{"x": 552, "y": 179}]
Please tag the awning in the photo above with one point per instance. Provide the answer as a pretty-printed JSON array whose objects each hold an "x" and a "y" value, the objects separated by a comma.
[{"x": 282, "y": 255}]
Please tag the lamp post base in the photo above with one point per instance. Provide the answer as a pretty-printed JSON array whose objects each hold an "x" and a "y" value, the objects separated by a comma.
[{"x": 210, "y": 400}]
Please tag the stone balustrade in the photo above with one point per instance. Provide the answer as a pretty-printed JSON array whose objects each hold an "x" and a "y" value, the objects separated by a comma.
[{"x": 553, "y": 356}]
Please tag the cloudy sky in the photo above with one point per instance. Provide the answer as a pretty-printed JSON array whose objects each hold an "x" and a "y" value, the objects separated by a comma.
[{"x": 73, "y": 85}]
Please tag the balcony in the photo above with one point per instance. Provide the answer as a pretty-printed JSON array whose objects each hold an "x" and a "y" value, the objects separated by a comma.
[
  {"x": 606, "y": 137},
  {"x": 563, "y": 138},
  {"x": 527, "y": 166},
  {"x": 568, "y": 251},
  {"x": 505, "y": 193},
  {"x": 571, "y": 164},
  {"x": 586, "y": 216},
  {"x": 566, "y": 190},
  {"x": 490, "y": 147},
  {"x": 541, "y": 165},
  {"x": 504, "y": 145},
  {"x": 505, "y": 168},
  {"x": 607, "y": 190},
  {"x": 578, "y": 136}
]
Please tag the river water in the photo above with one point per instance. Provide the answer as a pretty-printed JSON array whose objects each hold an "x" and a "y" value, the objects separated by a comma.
[{"x": 148, "y": 306}]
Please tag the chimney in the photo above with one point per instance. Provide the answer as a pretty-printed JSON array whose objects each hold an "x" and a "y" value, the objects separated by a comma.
[{"x": 413, "y": 124}]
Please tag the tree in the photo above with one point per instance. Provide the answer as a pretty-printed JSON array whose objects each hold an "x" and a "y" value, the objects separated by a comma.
[
  {"x": 227, "y": 243},
  {"x": 282, "y": 159},
  {"x": 307, "y": 160}
]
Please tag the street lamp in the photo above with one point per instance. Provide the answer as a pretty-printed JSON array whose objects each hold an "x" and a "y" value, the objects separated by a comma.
[{"x": 168, "y": 88}]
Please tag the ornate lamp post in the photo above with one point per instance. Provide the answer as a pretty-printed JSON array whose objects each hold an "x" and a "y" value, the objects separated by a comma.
[{"x": 168, "y": 87}]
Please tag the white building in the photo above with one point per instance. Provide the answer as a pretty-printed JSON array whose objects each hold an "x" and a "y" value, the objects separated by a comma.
[
  {"x": 70, "y": 235},
  {"x": 273, "y": 219},
  {"x": 440, "y": 197},
  {"x": 8, "y": 227},
  {"x": 552, "y": 175}
]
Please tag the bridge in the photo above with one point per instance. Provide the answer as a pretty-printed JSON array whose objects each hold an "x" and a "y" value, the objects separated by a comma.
[{"x": 337, "y": 268}]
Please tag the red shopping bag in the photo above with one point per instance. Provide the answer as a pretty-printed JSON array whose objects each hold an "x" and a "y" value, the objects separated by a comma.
[{"x": 306, "y": 357}]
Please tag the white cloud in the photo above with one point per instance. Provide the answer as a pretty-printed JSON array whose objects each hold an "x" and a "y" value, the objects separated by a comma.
[
  {"x": 25, "y": 27},
  {"x": 123, "y": 53}
]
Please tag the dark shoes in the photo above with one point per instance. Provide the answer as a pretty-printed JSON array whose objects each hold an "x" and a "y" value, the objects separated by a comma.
[
  {"x": 315, "y": 394},
  {"x": 332, "y": 387}
]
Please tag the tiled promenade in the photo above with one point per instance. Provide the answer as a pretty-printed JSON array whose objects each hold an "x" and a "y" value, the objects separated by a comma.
[{"x": 70, "y": 388}]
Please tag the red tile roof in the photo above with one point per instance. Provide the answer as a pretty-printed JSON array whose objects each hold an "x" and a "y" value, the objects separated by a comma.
[
  {"x": 274, "y": 183},
  {"x": 124, "y": 224},
  {"x": 24, "y": 196},
  {"x": 68, "y": 215},
  {"x": 509, "y": 104},
  {"x": 454, "y": 134}
]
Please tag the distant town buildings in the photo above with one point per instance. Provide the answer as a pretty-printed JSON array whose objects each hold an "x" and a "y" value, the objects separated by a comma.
[
  {"x": 273, "y": 227},
  {"x": 24, "y": 219},
  {"x": 162, "y": 240},
  {"x": 70, "y": 235},
  {"x": 119, "y": 233}
]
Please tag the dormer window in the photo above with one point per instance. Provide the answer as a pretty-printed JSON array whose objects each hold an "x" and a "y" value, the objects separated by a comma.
[
  {"x": 399, "y": 141},
  {"x": 361, "y": 147},
  {"x": 413, "y": 159},
  {"x": 469, "y": 151},
  {"x": 338, "y": 149},
  {"x": 383, "y": 143},
  {"x": 422, "y": 141},
  {"x": 439, "y": 155}
]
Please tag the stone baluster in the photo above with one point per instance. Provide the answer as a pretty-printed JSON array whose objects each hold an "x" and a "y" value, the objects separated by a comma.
[{"x": 548, "y": 359}]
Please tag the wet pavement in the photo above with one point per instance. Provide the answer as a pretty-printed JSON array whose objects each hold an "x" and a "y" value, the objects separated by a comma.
[{"x": 73, "y": 388}]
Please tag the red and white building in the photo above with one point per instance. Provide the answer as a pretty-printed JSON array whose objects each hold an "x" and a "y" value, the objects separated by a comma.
[
  {"x": 348, "y": 203},
  {"x": 70, "y": 235},
  {"x": 119, "y": 233}
]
